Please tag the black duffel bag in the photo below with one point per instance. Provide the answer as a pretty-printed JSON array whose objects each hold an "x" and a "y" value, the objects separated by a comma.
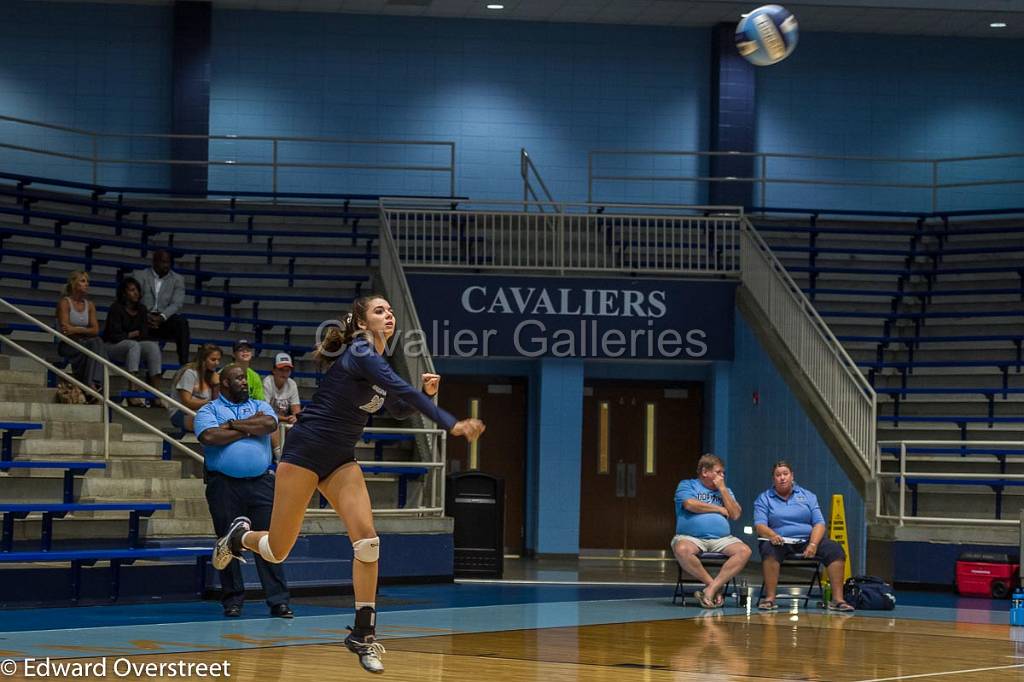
[{"x": 869, "y": 593}]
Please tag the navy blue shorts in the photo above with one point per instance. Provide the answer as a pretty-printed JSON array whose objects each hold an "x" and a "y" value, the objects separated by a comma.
[
  {"x": 323, "y": 463},
  {"x": 829, "y": 551}
]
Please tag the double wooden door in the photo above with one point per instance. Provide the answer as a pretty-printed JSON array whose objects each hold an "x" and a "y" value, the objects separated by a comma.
[{"x": 639, "y": 441}]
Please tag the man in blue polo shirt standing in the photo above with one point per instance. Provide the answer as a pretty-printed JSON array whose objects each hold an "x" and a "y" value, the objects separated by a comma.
[
  {"x": 235, "y": 433},
  {"x": 704, "y": 507}
]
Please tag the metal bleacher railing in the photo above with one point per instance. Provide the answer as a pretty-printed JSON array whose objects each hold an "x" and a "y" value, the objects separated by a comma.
[
  {"x": 629, "y": 238},
  {"x": 924, "y": 184},
  {"x": 109, "y": 369},
  {"x": 244, "y": 152},
  {"x": 900, "y": 451}
]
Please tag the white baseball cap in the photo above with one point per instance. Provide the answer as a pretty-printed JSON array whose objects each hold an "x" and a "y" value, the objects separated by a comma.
[{"x": 283, "y": 360}]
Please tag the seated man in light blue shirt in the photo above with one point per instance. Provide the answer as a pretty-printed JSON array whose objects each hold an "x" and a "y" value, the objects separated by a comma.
[
  {"x": 235, "y": 433},
  {"x": 789, "y": 523},
  {"x": 704, "y": 507}
]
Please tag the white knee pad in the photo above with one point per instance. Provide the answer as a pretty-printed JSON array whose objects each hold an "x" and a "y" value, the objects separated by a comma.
[
  {"x": 366, "y": 550},
  {"x": 265, "y": 552}
]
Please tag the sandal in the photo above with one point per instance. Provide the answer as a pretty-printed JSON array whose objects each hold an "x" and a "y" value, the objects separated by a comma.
[
  {"x": 767, "y": 605},
  {"x": 840, "y": 606},
  {"x": 702, "y": 599}
]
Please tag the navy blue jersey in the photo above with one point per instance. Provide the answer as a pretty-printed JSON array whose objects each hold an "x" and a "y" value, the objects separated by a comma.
[{"x": 360, "y": 383}]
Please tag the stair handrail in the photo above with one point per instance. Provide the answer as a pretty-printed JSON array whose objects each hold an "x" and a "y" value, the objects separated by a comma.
[
  {"x": 530, "y": 196},
  {"x": 853, "y": 404},
  {"x": 108, "y": 366},
  {"x": 396, "y": 286}
]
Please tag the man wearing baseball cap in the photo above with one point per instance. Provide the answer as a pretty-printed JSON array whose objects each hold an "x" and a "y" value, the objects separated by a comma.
[
  {"x": 281, "y": 391},
  {"x": 243, "y": 352}
]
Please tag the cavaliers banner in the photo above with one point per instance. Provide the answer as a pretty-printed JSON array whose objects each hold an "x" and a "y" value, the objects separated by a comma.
[{"x": 475, "y": 316}]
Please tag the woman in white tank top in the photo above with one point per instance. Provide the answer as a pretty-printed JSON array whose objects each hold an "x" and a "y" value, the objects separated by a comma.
[{"x": 76, "y": 318}]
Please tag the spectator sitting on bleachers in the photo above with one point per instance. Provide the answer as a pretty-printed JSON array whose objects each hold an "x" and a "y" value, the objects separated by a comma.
[
  {"x": 789, "y": 523},
  {"x": 704, "y": 507},
  {"x": 127, "y": 337},
  {"x": 196, "y": 384},
  {"x": 282, "y": 393},
  {"x": 242, "y": 354},
  {"x": 163, "y": 294},
  {"x": 76, "y": 318}
]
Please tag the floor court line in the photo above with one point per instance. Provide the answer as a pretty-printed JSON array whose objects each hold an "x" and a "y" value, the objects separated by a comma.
[
  {"x": 467, "y": 619},
  {"x": 948, "y": 672},
  {"x": 256, "y": 633}
]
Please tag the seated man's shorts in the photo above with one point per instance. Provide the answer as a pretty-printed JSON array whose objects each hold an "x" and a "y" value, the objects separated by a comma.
[
  {"x": 829, "y": 551},
  {"x": 716, "y": 545}
]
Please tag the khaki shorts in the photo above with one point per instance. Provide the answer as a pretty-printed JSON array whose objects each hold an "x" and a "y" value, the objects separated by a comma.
[{"x": 716, "y": 545}]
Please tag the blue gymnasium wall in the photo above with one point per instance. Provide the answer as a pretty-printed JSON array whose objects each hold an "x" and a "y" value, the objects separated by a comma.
[
  {"x": 491, "y": 87},
  {"x": 96, "y": 67},
  {"x": 778, "y": 428},
  {"x": 893, "y": 96}
]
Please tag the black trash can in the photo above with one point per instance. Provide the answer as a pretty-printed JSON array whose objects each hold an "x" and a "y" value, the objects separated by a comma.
[{"x": 477, "y": 503}]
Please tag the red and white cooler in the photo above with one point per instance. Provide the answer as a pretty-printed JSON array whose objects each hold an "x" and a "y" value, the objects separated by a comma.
[{"x": 986, "y": 574}]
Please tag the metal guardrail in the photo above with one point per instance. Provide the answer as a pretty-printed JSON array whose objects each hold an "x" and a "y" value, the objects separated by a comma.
[
  {"x": 840, "y": 385},
  {"x": 438, "y": 440},
  {"x": 622, "y": 238},
  {"x": 932, "y": 177},
  {"x": 108, "y": 369},
  {"x": 902, "y": 473},
  {"x": 241, "y": 151}
]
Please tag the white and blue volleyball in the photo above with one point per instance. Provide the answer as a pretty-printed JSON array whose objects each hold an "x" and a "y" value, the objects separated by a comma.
[{"x": 767, "y": 35}]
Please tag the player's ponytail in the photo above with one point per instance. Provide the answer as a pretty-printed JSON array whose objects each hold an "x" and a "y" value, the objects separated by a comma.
[{"x": 336, "y": 338}]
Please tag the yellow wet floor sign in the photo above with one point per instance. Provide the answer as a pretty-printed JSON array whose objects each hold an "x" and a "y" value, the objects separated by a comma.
[{"x": 837, "y": 531}]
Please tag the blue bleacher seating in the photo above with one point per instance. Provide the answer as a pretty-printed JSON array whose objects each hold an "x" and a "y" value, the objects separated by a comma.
[
  {"x": 117, "y": 557},
  {"x": 50, "y": 511},
  {"x": 12, "y": 430},
  {"x": 996, "y": 484},
  {"x": 71, "y": 469}
]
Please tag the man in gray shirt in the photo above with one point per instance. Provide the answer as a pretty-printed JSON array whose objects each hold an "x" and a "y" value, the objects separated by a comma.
[{"x": 163, "y": 294}]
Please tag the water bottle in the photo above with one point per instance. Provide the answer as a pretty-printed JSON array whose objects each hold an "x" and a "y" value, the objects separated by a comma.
[
  {"x": 828, "y": 593},
  {"x": 1017, "y": 607}
]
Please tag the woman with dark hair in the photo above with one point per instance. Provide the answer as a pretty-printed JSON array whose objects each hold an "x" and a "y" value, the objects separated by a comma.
[
  {"x": 76, "y": 318},
  {"x": 127, "y": 337},
  {"x": 789, "y": 523},
  {"x": 196, "y": 384},
  {"x": 319, "y": 454}
]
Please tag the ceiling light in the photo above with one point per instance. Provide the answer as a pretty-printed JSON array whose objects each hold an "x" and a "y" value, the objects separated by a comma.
[
  {"x": 495, "y": 6},
  {"x": 997, "y": 24}
]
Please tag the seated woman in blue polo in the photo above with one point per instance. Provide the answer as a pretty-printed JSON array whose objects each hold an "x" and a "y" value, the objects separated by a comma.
[{"x": 789, "y": 523}]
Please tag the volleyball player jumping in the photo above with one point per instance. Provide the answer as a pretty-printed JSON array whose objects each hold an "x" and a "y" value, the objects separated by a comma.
[{"x": 319, "y": 454}]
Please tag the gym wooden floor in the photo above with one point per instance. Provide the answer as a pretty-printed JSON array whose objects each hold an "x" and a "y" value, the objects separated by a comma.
[{"x": 709, "y": 646}]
